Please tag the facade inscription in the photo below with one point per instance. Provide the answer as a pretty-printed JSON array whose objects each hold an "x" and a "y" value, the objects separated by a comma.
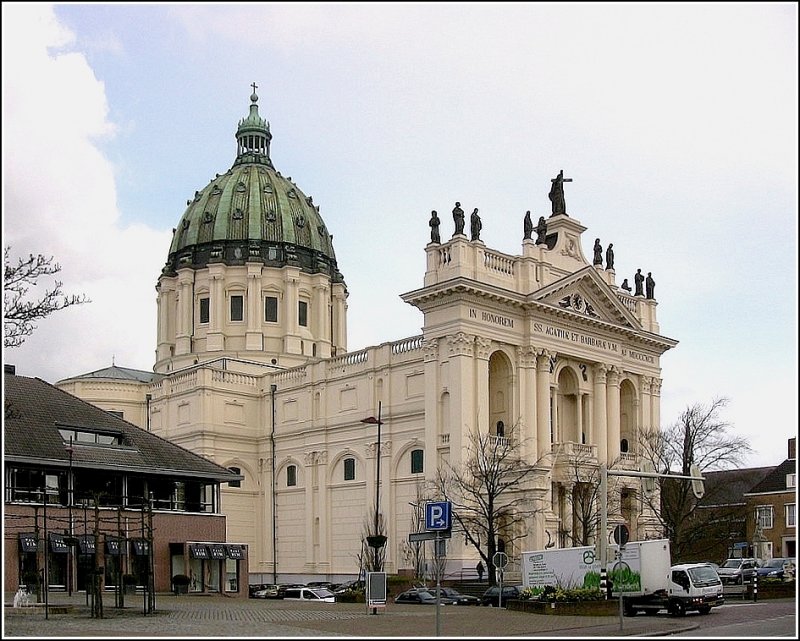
[
  {"x": 575, "y": 337},
  {"x": 496, "y": 319}
]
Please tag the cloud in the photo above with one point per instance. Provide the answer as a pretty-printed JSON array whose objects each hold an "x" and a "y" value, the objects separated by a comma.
[{"x": 60, "y": 201}]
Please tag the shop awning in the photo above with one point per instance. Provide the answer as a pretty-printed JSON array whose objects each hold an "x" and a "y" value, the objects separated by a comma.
[
  {"x": 86, "y": 543},
  {"x": 140, "y": 547},
  {"x": 27, "y": 542},
  {"x": 198, "y": 551},
  {"x": 57, "y": 544},
  {"x": 115, "y": 547},
  {"x": 234, "y": 551},
  {"x": 217, "y": 551}
]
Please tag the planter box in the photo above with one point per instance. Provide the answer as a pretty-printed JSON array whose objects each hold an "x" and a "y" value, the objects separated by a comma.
[
  {"x": 569, "y": 608},
  {"x": 786, "y": 590}
]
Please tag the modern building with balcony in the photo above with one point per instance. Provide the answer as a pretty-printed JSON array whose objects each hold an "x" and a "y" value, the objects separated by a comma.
[{"x": 541, "y": 349}]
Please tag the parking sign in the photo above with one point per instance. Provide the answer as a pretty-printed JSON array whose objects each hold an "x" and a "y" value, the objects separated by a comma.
[{"x": 437, "y": 515}]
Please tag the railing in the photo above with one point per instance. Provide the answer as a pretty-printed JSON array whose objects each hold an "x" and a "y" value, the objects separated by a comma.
[
  {"x": 498, "y": 263},
  {"x": 407, "y": 345}
]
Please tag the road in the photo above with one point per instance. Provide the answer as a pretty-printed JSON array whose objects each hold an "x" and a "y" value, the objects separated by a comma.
[{"x": 773, "y": 618}]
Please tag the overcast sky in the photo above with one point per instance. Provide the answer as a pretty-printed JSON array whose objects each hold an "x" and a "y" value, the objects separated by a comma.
[{"x": 676, "y": 121}]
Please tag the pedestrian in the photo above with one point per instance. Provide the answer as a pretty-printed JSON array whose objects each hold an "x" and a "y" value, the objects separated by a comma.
[{"x": 479, "y": 568}]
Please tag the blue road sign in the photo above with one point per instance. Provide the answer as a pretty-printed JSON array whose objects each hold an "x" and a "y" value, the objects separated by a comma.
[{"x": 437, "y": 515}]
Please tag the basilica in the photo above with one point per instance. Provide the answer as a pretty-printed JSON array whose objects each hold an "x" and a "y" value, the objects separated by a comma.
[{"x": 541, "y": 351}]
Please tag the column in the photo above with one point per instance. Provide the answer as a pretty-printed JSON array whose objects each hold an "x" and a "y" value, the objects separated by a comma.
[
  {"x": 579, "y": 412},
  {"x": 183, "y": 344},
  {"x": 322, "y": 511},
  {"x": 600, "y": 429},
  {"x": 215, "y": 338},
  {"x": 483, "y": 348},
  {"x": 543, "y": 443},
  {"x": 655, "y": 392},
  {"x": 461, "y": 353},
  {"x": 433, "y": 391},
  {"x": 646, "y": 417},
  {"x": 254, "y": 338},
  {"x": 526, "y": 364},
  {"x": 309, "y": 459},
  {"x": 612, "y": 389}
]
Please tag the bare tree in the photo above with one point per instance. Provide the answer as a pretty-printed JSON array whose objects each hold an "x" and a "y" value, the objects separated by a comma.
[
  {"x": 579, "y": 482},
  {"x": 375, "y": 539},
  {"x": 488, "y": 492},
  {"x": 699, "y": 437},
  {"x": 19, "y": 311},
  {"x": 414, "y": 553}
]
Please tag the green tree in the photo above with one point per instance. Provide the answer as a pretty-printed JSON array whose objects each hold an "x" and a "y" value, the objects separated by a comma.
[{"x": 20, "y": 310}]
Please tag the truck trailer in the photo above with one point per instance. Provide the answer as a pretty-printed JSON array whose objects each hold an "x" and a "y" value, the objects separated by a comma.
[{"x": 640, "y": 571}]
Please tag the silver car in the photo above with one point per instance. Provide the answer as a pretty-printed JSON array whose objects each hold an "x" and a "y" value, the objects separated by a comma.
[{"x": 738, "y": 571}]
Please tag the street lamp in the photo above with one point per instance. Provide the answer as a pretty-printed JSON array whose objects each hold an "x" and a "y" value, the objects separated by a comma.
[{"x": 376, "y": 541}]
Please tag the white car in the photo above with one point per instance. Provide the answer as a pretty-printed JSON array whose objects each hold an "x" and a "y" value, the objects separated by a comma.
[{"x": 316, "y": 595}]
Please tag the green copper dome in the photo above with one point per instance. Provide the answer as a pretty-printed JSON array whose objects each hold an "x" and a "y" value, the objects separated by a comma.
[{"x": 252, "y": 213}]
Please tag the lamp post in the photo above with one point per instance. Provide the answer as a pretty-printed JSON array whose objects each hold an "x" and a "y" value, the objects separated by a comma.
[{"x": 376, "y": 541}]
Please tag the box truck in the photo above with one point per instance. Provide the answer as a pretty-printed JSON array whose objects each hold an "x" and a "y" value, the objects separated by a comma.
[{"x": 641, "y": 572}]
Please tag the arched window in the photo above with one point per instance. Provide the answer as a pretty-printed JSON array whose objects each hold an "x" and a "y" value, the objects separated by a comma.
[
  {"x": 501, "y": 428},
  {"x": 235, "y": 470},
  {"x": 291, "y": 475},
  {"x": 349, "y": 469},
  {"x": 623, "y": 445},
  {"x": 417, "y": 458}
]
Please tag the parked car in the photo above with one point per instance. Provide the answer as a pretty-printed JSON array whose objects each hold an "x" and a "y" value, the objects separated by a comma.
[
  {"x": 421, "y": 597},
  {"x": 492, "y": 595},
  {"x": 322, "y": 584},
  {"x": 738, "y": 571},
  {"x": 455, "y": 597},
  {"x": 349, "y": 585},
  {"x": 267, "y": 591},
  {"x": 777, "y": 568},
  {"x": 316, "y": 595}
]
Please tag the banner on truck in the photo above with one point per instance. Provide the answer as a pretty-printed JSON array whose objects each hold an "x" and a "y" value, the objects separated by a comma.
[{"x": 580, "y": 568}]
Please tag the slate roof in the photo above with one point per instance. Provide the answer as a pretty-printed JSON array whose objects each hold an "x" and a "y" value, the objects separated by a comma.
[
  {"x": 35, "y": 409},
  {"x": 775, "y": 481},
  {"x": 728, "y": 487},
  {"x": 118, "y": 374}
]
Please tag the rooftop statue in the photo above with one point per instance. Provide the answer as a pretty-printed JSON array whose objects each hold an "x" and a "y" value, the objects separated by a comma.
[
  {"x": 556, "y": 194},
  {"x": 434, "y": 223},
  {"x": 458, "y": 219}
]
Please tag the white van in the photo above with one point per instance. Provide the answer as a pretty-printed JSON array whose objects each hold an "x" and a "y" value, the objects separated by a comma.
[
  {"x": 694, "y": 586},
  {"x": 315, "y": 595}
]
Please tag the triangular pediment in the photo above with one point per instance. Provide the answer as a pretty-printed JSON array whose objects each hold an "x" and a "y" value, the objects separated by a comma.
[{"x": 586, "y": 293}]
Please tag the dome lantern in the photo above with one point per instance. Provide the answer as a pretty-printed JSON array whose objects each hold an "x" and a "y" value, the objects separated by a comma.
[{"x": 253, "y": 136}]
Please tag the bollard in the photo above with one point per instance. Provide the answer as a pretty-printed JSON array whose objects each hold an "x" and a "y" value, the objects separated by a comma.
[
  {"x": 755, "y": 588},
  {"x": 604, "y": 583}
]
